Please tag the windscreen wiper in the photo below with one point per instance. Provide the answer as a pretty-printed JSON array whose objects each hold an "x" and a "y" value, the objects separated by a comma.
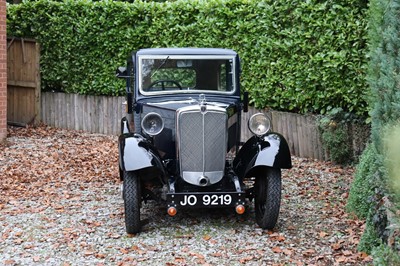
[{"x": 162, "y": 63}]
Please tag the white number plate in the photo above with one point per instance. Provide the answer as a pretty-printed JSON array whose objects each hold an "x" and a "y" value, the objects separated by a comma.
[{"x": 206, "y": 200}]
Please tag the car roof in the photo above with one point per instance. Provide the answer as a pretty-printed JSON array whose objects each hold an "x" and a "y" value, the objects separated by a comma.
[{"x": 186, "y": 51}]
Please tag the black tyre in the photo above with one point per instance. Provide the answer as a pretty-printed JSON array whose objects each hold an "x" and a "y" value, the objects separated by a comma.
[
  {"x": 132, "y": 201},
  {"x": 267, "y": 190}
]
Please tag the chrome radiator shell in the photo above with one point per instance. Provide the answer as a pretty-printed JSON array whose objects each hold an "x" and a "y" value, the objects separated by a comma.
[{"x": 201, "y": 143}]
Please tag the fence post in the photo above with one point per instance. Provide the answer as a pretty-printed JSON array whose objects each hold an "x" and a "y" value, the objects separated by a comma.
[{"x": 3, "y": 72}]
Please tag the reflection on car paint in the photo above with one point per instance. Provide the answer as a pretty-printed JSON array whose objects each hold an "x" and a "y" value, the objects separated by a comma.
[
  {"x": 267, "y": 155},
  {"x": 135, "y": 157}
]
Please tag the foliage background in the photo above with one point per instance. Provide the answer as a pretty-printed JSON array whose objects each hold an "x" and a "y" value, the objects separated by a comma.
[
  {"x": 299, "y": 56},
  {"x": 381, "y": 190}
]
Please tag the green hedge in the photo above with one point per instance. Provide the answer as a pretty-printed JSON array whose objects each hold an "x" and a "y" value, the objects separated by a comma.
[
  {"x": 365, "y": 182},
  {"x": 379, "y": 167},
  {"x": 301, "y": 56}
]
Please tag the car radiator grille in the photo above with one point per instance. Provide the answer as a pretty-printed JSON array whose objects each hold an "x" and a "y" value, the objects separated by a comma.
[{"x": 202, "y": 140}]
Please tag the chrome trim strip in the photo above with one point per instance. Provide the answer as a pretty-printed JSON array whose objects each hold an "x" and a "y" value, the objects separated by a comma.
[
  {"x": 203, "y": 146},
  {"x": 232, "y": 120}
]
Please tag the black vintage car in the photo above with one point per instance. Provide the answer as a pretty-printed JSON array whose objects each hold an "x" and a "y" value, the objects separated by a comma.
[{"x": 180, "y": 139}]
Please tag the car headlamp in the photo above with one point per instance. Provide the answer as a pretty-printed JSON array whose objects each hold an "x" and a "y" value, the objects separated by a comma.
[
  {"x": 152, "y": 124},
  {"x": 259, "y": 124}
]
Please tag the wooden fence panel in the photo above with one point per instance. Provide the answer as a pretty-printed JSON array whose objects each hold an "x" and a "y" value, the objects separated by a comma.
[
  {"x": 96, "y": 114},
  {"x": 300, "y": 131},
  {"x": 23, "y": 82},
  {"x": 100, "y": 114}
]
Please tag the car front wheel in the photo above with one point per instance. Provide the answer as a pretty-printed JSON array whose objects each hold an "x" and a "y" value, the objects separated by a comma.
[
  {"x": 132, "y": 201},
  {"x": 268, "y": 198}
]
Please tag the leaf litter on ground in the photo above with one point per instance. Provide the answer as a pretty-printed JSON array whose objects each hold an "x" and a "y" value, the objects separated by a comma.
[{"x": 60, "y": 204}]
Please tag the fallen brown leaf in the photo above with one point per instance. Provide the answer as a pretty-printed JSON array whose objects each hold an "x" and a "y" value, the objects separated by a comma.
[
  {"x": 206, "y": 237},
  {"x": 9, "y": 262},
  {"x": 246, "y": 259},
  {"x": 199, "y": 256},
  {"x": 277, "y": 250}
]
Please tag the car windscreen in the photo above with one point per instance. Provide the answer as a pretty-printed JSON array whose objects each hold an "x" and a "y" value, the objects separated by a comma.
[{"x": 177, "y": 74}]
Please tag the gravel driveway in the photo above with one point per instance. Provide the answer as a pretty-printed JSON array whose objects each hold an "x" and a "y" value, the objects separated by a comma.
[{"x": 60, "y": 204}]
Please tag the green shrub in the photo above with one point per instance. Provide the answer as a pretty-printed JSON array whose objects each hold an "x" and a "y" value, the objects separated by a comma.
[
  {"x": 391, "y": 142},
  {"x": 362, "y": 190},
  {"x": 385, "y": 256},
  {"x": 383, "y": 79},
  {"x": 300, "y": 56},
  {"x": 370, "y": 238},
  {"x": 383, "y": 72},
  {"x": 340, "y": 133},
  {"x": 392, "y": 159}
]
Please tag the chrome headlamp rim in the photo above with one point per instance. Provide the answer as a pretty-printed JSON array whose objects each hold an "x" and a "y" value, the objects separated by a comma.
[
  {"x": 146, "y": 129},
  {"x": 263, "y": 125}
]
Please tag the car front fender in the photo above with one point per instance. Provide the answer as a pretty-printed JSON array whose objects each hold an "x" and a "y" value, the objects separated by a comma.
[
  {"x": 136, "y": 153},
  {"x": 270, "y": 150}
]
